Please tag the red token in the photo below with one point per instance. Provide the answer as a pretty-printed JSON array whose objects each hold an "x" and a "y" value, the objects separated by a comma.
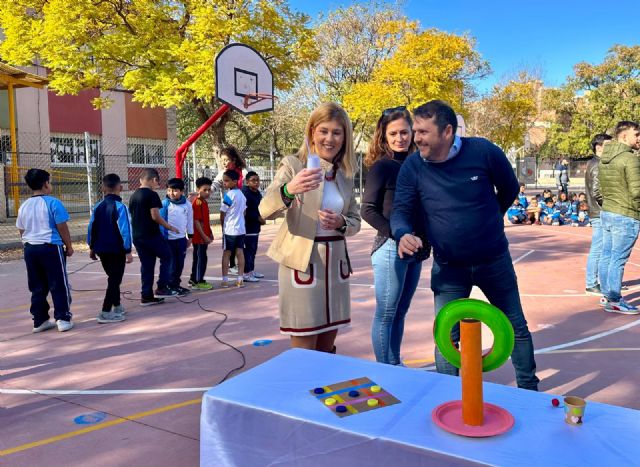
[{"x": 555, "y": 402}]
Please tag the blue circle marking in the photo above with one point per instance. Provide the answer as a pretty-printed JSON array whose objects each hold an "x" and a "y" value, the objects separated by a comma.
[
  {"x": 262, "y": 342},
  {"x": 90, "y": 418}
]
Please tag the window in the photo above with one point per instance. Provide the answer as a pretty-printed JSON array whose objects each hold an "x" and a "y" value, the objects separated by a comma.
[
  {"x": 69, "y": 150},
  {"x": 5, "y": 149},
  {"x": 146, "y": 152}
]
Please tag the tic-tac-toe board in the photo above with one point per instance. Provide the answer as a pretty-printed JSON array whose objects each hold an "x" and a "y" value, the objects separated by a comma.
[{"x": 353, "y": 396}]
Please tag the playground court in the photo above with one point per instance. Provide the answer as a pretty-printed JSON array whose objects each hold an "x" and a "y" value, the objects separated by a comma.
[{"x": 129, "y": 393}]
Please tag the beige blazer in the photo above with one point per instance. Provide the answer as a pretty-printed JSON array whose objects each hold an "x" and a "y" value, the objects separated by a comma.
[{"x": 294, "y": 241}]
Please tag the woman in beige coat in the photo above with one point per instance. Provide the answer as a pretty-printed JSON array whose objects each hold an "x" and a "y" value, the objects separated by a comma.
[{"x": 320, "y": 211}]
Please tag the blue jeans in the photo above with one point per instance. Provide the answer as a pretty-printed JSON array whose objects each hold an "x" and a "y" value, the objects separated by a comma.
[
  {"x": 395, "y": 282},
  {"x": 150, "y": 248},
  {"x": 594, "y": 253},
  {"x": 497, "y": 280},
  {"x": 619, "y": 234}
]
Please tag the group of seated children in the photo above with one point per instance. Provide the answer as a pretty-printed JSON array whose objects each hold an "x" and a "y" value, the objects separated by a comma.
[
  {"x": 549, "y": 209},
  {"x": 157, "y": 229}
]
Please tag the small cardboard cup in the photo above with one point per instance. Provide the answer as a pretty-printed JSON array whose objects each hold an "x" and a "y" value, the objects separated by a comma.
[{"x": 574, "y": 410}]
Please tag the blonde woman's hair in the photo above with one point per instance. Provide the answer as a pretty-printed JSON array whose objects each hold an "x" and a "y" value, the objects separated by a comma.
[
  {"x": 346, "y": 157},
  {"x": 379, "y": 147}
]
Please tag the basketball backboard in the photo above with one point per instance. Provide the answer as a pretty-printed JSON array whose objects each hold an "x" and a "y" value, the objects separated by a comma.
[{"x": 244, "y": 79}]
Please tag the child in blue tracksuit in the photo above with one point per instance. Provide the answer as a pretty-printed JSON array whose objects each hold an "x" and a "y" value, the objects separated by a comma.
[
  {"x": 516, "y": 213},
  {"x": 522, "y": 196},
  {"x": 565, "y": 207},
  {"x": 581, "y": 217},
  {"x": 179, "y": 213},
  {"x": 550, "y": 215},
  {"x": 109, "y": 238},
  {"x": 42, "y": 222}
]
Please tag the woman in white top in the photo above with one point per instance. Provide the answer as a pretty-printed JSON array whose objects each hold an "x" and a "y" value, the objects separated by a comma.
[{"x": 320, "y": 210}]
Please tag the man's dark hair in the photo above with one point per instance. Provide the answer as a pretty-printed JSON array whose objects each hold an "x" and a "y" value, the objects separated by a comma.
[
  {"x": 232, "y": 174},
  {"x": 111, "y": 181},
  {"x": 176, "y": 184},
  {"x": 598, "y": 140},
  {"x": 203, "y": 181},
  {"x": 626, "y": 125},
  {"x": 443, "y": 113},
  {"x": 250, "y": 174},
  {"x": 149, "y": 174},
  {"x": 36, "y": 178}
]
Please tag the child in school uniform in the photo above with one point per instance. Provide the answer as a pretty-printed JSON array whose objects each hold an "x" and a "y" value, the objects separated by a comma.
[
  {"x": 533, "y": 211},
  {"x": 42, "y": 222},
  {"x": 232, "y": 210},
  {"x": 253, "y": 222},
  {"x": 522, "y": 196},
  {"x": 581, "y": 217},
  {"x": 550, "y": 215},
  {"x": 202, "y": 234},
  {"x": 109, "y": 238},
  {"x": 179, "y": 213},
  {"x": 516, "y": 213}
]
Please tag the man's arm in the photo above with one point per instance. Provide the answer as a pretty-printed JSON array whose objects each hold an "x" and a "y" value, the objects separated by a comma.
[
  {"x": 157, "y": 218},
  {"x": 632, "y": 174},
  {"x": 503, "y": 178},
  {"x": 63, "y": 230},
  {"x": 405, "y": 201}
]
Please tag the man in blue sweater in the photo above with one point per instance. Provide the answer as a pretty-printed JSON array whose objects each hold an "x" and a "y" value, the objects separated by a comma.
[{"x": 464, "y": 186}]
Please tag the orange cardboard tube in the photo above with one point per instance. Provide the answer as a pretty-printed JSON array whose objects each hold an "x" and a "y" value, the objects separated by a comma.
[{"x": 471, "y": 372}]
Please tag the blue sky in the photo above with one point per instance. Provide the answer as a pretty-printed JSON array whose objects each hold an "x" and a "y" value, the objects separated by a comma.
[{"x": 550, "y": 36}]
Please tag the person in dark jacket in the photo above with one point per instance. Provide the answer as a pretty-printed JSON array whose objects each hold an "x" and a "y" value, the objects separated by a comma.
[
  {"x": 594, "y": 201},
  {"x": 464, "y": 187},
  {"x": 619, "y": 175},
  {"x": 109, "y": 238},
  {"x": 562, "y": 176},
  {"x": 395, "y": 279}
]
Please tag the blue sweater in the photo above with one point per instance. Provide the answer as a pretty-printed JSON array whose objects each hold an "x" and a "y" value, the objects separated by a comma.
[
  {"x": 109, "y": 227},
  {"x": 464, "y": 200}
]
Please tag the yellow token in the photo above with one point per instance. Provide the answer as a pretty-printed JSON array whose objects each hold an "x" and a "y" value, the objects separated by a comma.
[
  {"x": 376, "y": 389},
  {"x": 330, "y": 401},
  {"x": 372, "y": 402}
]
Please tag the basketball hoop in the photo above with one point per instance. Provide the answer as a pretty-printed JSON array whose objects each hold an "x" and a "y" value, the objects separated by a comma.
[{"x": 255, "y": 97}]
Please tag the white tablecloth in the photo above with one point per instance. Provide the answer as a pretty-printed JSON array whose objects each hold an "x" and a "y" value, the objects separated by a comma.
[{"x": 266, "y": 417}]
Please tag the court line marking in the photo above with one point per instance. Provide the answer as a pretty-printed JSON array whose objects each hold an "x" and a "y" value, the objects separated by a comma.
[
  {"x": 99, "y": 426},
  {"x": 523, "y": 256}
]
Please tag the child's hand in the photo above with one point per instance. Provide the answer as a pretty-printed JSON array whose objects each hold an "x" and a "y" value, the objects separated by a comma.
[
  {"x": 92, "y": 255},
  {"x": 129, "y": 258},
  {"x": 189, "y": 242},
  {"x": 69, "y": 251},
  {"x": 208, "y": 240},
  {"x": 174, "y": 229}
]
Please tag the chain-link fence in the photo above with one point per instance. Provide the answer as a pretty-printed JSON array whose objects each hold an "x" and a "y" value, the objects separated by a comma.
[{"x": 542, "y": 172}]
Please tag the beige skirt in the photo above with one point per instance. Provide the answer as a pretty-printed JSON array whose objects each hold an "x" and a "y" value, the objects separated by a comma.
[{"x": 316, "y": 300}]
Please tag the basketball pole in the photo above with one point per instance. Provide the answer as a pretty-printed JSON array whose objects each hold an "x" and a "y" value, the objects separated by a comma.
[{"x": 181, "y": 152}]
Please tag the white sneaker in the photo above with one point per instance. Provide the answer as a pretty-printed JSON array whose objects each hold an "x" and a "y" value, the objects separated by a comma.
[
  {"x": 44, "y": 327},
  {"x": 250, "y": 278},
  {"x": 110, "y": 317},
  {"x": 259, "y": 275},
  {"x": 119, "y": 310},
  {"x": 64, "y": 325},
  {"x": 233, "y": 271}
]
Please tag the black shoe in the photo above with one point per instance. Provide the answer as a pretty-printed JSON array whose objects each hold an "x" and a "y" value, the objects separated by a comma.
[
  {"x": 165, "y": 292},
  {"x": 181, "y": 291},
  {"x": 593, "y": 290},
  {"x": 151, "y": 301}
]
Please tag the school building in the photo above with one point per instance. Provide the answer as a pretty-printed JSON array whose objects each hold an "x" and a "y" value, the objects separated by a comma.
[{"x": 52, "y": 134}]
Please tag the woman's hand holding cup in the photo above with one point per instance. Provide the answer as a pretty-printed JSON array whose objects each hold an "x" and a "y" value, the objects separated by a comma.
[{"x": 305, "y": 180}]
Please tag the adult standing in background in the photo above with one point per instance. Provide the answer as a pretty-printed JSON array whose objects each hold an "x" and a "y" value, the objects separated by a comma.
[
  {"x": 464, "y": 186},
  {"x": 320, "y": 210},
  {"x": 395, "y": 279},
  {"x": 619, "y": 174},
  {"x": 562, "y": 176},
  {"x": 594, "y": 201}
]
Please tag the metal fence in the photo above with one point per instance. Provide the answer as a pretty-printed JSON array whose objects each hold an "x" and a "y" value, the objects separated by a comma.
[{"x": 541, "y": 172}]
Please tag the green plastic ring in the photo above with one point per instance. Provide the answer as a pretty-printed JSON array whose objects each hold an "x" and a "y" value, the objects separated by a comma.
[{"x": 469, "y": 308}]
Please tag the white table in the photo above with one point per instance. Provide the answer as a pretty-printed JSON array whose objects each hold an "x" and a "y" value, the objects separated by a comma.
[{"x": 266, "y": 417}]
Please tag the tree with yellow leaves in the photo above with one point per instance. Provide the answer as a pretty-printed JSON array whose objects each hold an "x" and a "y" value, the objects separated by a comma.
[
  {"x": 162, "y": 50},
  {"x": 425, "y": 65}
]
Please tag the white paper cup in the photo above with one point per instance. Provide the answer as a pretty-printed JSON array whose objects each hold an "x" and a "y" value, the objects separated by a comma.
[{"x": 313, "y": 161}]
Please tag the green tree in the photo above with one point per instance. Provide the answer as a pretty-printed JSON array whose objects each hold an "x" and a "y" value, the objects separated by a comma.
[
  {"x": 592, "y": 101},
  {"x": 162, "y": 50}
]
